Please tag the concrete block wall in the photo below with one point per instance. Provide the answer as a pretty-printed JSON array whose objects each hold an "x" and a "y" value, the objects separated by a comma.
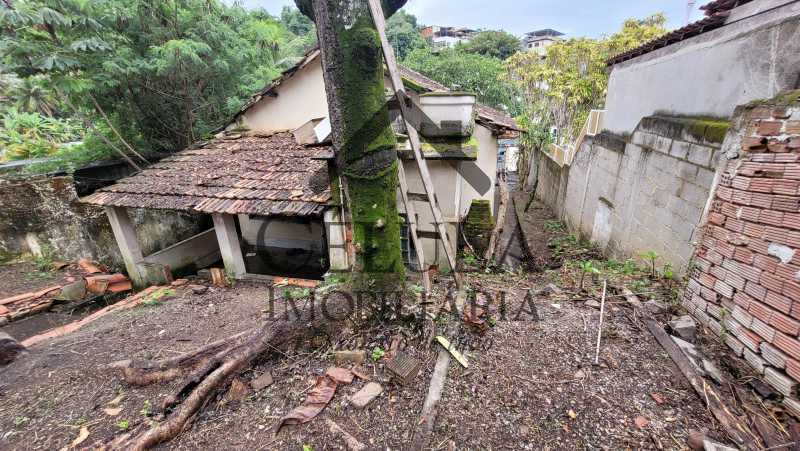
[
  {"x": 745, "y": 284},
  {"x": 646, "y": 192}
]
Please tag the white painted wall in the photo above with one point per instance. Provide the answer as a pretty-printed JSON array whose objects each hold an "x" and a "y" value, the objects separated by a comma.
[
  {"x": 755, "y": 56},
  {"x": 300, "y": 99}
]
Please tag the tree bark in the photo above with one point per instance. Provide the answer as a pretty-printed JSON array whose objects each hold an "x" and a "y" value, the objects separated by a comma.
[{"x": 352, "y": 60}]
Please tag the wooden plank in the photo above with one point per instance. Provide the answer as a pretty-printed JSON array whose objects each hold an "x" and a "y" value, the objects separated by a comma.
[
  {"x": 413, "y": 134},
  {"x": 411, "y": 217},
  {"x": 735, "y": 429},
  {"x": 28, "y": 296},
  {"x": 499, "y": 225}
]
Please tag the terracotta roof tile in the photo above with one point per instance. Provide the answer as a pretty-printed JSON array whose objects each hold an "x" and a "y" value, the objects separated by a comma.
[{"x": 263, "y": 175}]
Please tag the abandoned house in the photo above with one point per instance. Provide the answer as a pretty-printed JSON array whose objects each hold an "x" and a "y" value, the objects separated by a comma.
[{"x": 270, "y": 197}]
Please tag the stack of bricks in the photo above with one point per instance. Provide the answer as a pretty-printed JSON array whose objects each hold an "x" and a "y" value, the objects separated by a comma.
[{"x": 745, "y": 281}]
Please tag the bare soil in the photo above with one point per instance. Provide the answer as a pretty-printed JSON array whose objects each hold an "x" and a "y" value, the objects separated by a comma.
[{"x": 530, "y": 383}]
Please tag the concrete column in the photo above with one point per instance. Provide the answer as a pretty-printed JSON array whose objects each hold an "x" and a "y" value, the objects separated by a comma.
[
  {"x": 337, "y": 244},
  {"x": 229, "y": 246},
  {"x": 125, "y": 234}
]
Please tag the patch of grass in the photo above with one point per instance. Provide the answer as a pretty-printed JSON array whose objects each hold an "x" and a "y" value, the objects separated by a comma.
[
  {"x": 20, "y": 420},
  {"x": 44, "y": 262},
  {"x": 123, "y": 425},
  {"x": 155, "y": 298},
  {"x": 377, "y": 353},
  {"x": 296, "y": 293}
]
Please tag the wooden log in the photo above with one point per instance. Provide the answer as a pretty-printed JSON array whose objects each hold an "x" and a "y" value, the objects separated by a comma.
[
  {"x": 500, "y": 224},
  {"x": 10, "y": 349},
  {"x": 734, "y": 428},
  {"x": 28, "y": 296},
  {"x": 424, "y": 429}
]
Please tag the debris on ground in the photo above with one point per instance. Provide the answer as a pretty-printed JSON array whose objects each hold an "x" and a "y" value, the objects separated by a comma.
[
  {"x": 366, "y": 395},
  {"x": 453, "y": 351},
  {"x": 357, "y": 357},
  {"x": 684, "y": 328},
  {"x": 9, "y": 349},
  {"x": 319, "y": 398},
  {"x": 262, "y": 382}
]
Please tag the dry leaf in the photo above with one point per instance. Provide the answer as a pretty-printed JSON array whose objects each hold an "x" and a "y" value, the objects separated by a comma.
[
  {"x": 572, "y": 414},
  {"x": 340, "y": 375},
  {"x": 116, "y": 401},
  {"x": 82, "y": 436},
  {"x": 315, "y": 403},
  {"x": 657, "y": 398},
  {"x": 641, "y": 422},
  {"x": 112, "y": 411}
]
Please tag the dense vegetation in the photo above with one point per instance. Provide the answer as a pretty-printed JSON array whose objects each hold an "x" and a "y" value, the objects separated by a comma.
[{"x": 152, "y": 75}]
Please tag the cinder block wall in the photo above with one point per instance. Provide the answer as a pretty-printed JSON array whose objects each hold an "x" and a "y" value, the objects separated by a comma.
[
  {"x": 745, "y": 284},
  {"x": 646, "y": 192}
]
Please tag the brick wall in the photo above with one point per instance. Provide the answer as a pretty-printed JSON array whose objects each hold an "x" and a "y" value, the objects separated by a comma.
[{"x": 745, "y": 283}]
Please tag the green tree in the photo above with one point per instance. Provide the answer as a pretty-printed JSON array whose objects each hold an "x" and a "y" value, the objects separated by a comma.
[
  {"x": 495, "y": 44},
  {"x": 295, "y": 21},
  {"x": 163, "y": 74},
  {"x": 572, "y": 79},
  {"x": 462, "y": 71},
  {"x": 403, "y": 33}
]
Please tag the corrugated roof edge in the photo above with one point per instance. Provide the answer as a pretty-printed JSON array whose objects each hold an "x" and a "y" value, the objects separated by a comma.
[
  {"x": 716, "y": 14},
  {"x": 493, "y": 117}
]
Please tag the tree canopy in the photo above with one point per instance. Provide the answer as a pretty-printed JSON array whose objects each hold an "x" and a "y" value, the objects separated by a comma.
[
  {"x": 163, "y": 74},
  {"x": 560, "y": 89},
  {"x": 403, "y": 33},
  {"x": 495, "y": 44},
  {"x": 463, "y": 71}
]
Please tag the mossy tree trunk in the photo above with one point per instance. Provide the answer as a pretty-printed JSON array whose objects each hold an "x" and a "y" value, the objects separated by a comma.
[{"x": 352, "y": 62}]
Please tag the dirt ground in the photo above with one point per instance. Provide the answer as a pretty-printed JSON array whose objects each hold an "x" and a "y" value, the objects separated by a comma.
[{"x": 530, "y": 382}]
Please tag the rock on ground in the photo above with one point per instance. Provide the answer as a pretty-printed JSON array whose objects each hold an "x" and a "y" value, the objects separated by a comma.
[
  {"x": 366, "y": 395},
  {"x": 9, "y": 349},
  {"x": 684, "y": 328}
]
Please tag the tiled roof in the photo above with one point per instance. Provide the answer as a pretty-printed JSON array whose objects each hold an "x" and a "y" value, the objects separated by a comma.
[
  {"x": 260, "y": 175},
  {"x": 716, "y": 14}
]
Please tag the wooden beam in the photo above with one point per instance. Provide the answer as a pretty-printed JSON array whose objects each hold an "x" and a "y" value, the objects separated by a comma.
[
  {"x": 125, "y": 234},
  {"x": 229, "y": 246},
  {"x": 413, "y": 134}
]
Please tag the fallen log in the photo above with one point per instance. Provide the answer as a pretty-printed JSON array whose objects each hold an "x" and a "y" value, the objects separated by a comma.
[
  {"x": 207, "y": 373},
  {"x": 500, "y": 224},
  {"x": 128, "y": 303},
  {"x": 424, "y": 429},
  {"x": 734, "y": 428},
  {"x": 28, "y": 296}
]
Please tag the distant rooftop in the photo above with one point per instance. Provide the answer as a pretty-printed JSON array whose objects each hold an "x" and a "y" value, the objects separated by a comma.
[{"x": 545, "y": 32}]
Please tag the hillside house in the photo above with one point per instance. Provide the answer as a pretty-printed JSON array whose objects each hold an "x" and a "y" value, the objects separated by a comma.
[
  {"x": 447, "y": 37},
  {"x": 538, "y": 41},
  {"x": 270, "y": 197}
]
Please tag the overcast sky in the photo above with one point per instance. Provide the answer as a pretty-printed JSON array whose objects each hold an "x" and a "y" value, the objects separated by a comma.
[{"x": 574, "y": 17}]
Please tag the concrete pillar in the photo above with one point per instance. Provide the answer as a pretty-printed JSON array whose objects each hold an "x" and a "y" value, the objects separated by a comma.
[
  {"x": 125, "y": 234},
  {"x": 229, "y": 246},
  {"x": 337, "y": 244}
]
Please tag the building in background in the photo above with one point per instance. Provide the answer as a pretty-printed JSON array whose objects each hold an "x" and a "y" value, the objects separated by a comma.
[
  {"x": 447, "y": 37},
  {"x": 538, "y": 41}
]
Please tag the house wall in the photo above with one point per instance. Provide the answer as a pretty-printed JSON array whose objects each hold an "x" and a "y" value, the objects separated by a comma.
[
  {"x": 755, "y": 56},
  {"x": 36, "y": 213},
  {"x": 646, "y": 193},
  {"x": 300, "y": 99},
  {"x": 746, "y": 284}
]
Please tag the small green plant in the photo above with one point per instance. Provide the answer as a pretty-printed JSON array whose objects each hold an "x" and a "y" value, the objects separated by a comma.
[
  {"x": 469, "y": 258},
  {"x": 147, "y": 409},
  {"x": 668, "y": 273},
  {"x": 651, "y": 256},
  {"x": 554, "y": 226},
  {"x": 123, "y": 425},
  {"x": 630, "y": 267},
  {"x": 44, "y": 262},
  {"x": 155, "y": 298},
  {"x": 587, "y": 267},
  {"x": 308, "y": 448},
  {"x": 639, "y": 286},
  {"x": 377, "y": 353},
  {"x": 19, "y": 421},
  {"x": 296, "y": 293}
]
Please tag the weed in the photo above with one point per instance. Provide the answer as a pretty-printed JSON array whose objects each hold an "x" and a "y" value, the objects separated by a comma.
[
  {"x": 44, "y": 262},
  {"x": 639, "y": 286},
  {"x": 147, "y": 409},
  {"x": 554, "y": 226},
  {"x": 155, "y": 298},
  {"x": 630, "y": 267},
  {"x": 296, "y": 293},
  {"x": 377, "y": 353},
  {"x": 123, "y": 425},
  {"x": 308, "y": 448},
  {"x": 469, "y": 258},
  {"x": 19, "y": 421},
  {"x": 587, "y": 267},
  {"x": 651, "y": 256}
]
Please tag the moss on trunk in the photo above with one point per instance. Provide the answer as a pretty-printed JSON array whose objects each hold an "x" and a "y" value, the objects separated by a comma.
[{"x": 363, "y": 136}]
